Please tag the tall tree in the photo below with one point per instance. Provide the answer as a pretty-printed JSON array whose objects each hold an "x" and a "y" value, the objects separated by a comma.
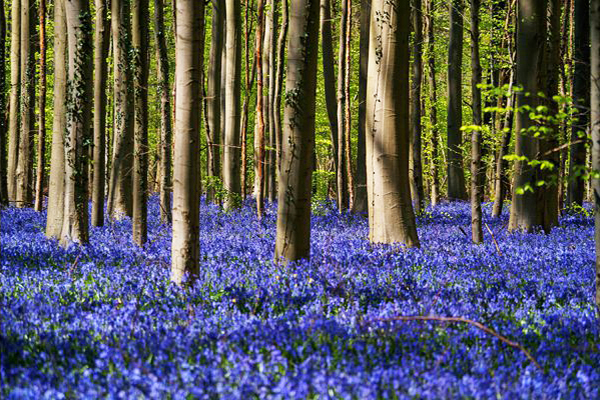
[
  {"x": 25, "y": 161},
  {"x": 139, "y": 30},
  {"x": 294, "y": 190},
  {"x": 476, "y": 170},
  {"x": 213, "y": 95},
  {"x": 165, "y": 113},
  {"x": 595, "y": 119},
  {"x": 14, "y": 100},
  {"x": 391, "y": 216},
  {"x": 233, "y": 65},
  {"x": 416, "y": 167},
  {"x": 56, "y": 184},
  {"x": 581, "y": 96},
  {"x": 531, "y": 39},
  {"x": 79, "y": 132},
  {"x": 435, "y": 192},
  {"x": 347, "y": 109},
  {"x": 271, "y": 41},
  {"x": 41, "y": 149},
  {"x": 456, "y": 176},
  {"x": 360, "y": 200},
  {"x": 120, "y": 200},
  {"x": 3, "y": 130},
  {"x": 185, "y": 253},
  {"x": 259, "y": 136},
  {"x": 342, "y": 192},
  {"x": 279, "y": 82},
  {"x": 101, "y": 42}
]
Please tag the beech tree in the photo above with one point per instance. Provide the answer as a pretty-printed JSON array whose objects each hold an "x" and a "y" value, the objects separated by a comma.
[
  {"x": 3, "y": 130},
  {"x": 391, "y": 216},
  {"x": 476, "y": 170},
  {"x": 79, "y": 132},
  {"x": 41, "y": 140},
  {"x": 595, "y": 121},
  {"x": 14, "y": 99},
  {"x": 294, "y": 190},
  {"x": 416, "y": 168},
  {"x": 185, "y": 252},
  {"x": 432, "y": 90}
]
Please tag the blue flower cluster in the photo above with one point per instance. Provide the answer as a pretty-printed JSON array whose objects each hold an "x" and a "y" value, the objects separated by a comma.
[{"x": 104, "y": 321}]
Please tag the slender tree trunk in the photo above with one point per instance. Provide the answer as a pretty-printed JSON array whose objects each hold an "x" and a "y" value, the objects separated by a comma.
[
  {"x": 14, "y": 100},
  {"x": 41, "y": 150},
  {"x": 435, "y": 191},
  {"x": 279, "y": 83},
  {"x": 294, "y": 190},
  {"x": 101, "y": 42},
  {"x": 185, "y": 253},
  {"x": 120, "y": 184},
  {"x": 581, "y": 95},
  {"x": 79, "y": 129},
  {"x": 166, "y": 140},
  {"x": 259, "y": 137},
  {"x": 566, "y": 57},
  {"x": 25, "y": 161},
  {"x": 347, "y": 105},
  {"x": 231, "y": 159},
  {"x": 213, "y": 99},
  {"x": 456, "y": 176},
  {"x": 56, "y": 184},
  {"x": 140, "y": 126},
  {"x": 391, "y": 216},
  {"x": 329, "y": 78},
  {"x": 272, "y": 39},
  {"x": 531, "y": 39},
  {"x": 416, "y": 167},
  {"x": 3, "y": 121},
  {"x": 341, "y": 178},
  {"x": 360, "y": 198},
  {"x": 266, "y": 67},
  {"x": 595, "y": 114},
  {"x": 249, "y": 82},
  {"x": 476, "y": 170}
]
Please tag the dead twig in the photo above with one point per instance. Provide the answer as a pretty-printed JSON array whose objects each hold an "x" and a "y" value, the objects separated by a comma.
[
  {"x": 476, "y": 324},
  {"x": 494, "y": 239}
]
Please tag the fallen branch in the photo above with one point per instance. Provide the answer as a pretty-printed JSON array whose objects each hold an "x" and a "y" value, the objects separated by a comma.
[
  {"x": 469, "y": 322},
  {"x": 494, "y": 239}
]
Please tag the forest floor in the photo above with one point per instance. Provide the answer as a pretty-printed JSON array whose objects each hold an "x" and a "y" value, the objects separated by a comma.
[{"x": 104, "y": 320}]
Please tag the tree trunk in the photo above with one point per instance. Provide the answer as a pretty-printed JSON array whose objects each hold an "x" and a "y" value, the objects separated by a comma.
[
  {"x": 456, "y": 176},
  {"x": 213, "y": 99},
  {"x": 531, "y": 39},
  {"x": 581, "y": 95},
  {"x": 56, "y": 184},
  {"x": 101, "y": 40},
  {"x": 120, "y": 184},
  {"x": 259, "y": 136},
  {"x": 14, "y": 101},
  {"x": 165, "y": 113},
  {"x": 435, "y": 190},
  {"x": 279, "y": 83},
  {"x": 41, "y": 150},
  {"x": 233, "y": 48},
  {"x": 341, "y": 178},
  {"x": 79, "y": 132},
  {"x": 294, "y": 191},
  {"x": 140, "y": 126},
  {"x": 185, "y": 253},
  {"x": 3, "y": 130},
  {"x": 595, "y": 114},
  {"x": 347, "y": 112},
  {"x": 476, "y": 170},
  {"x": 416, "y": 167},
  {"x": 391, "y": 216},
  {"x": 25, "y": 161},
  {"x": 360, "y": 198},
  {"x": 273, "y": 16}
]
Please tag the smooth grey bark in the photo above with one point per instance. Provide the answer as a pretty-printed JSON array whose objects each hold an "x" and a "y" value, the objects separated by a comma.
[
  {"x": 56, "y": 183},
  {"x": 120, "y": 199},
  {"x": 416, "y": 166},
  {"x": 531, "y": 38},
  {"x": 347, "y": 110},
  {"x": 185, "y": 253},
  {"x": 233, "y": 65},
  {"x": 294, "y": 190},
  {"x": 341, "y": 177},
  {"x": 456, "y": 176},
  {"x": 581, "y": 96},
  {"x": 213, "y": 95},
  {"x": 139, "y": 28},
  {"x": 3, "y": 121},
  {"x": 24, "y": 196},
  {"x": 79, "y": 129},
  {"x": 41, "y": 141},
  {"x": 595, "y": 120},
  {"x": 279, "y": 83},
  {"x": 360, "y": 197},
  {"x": 259, "y": 135},
  {"x": 166, "y": 130},
  {"x": 271, "y": 38},
  {"x": 432, "y": 87},
  {"x": 476, "y": 167},
  {"x": 14, "y": 99},
  {"x": 391, "y": 216},
  {"x": 101, "y": 43}
]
